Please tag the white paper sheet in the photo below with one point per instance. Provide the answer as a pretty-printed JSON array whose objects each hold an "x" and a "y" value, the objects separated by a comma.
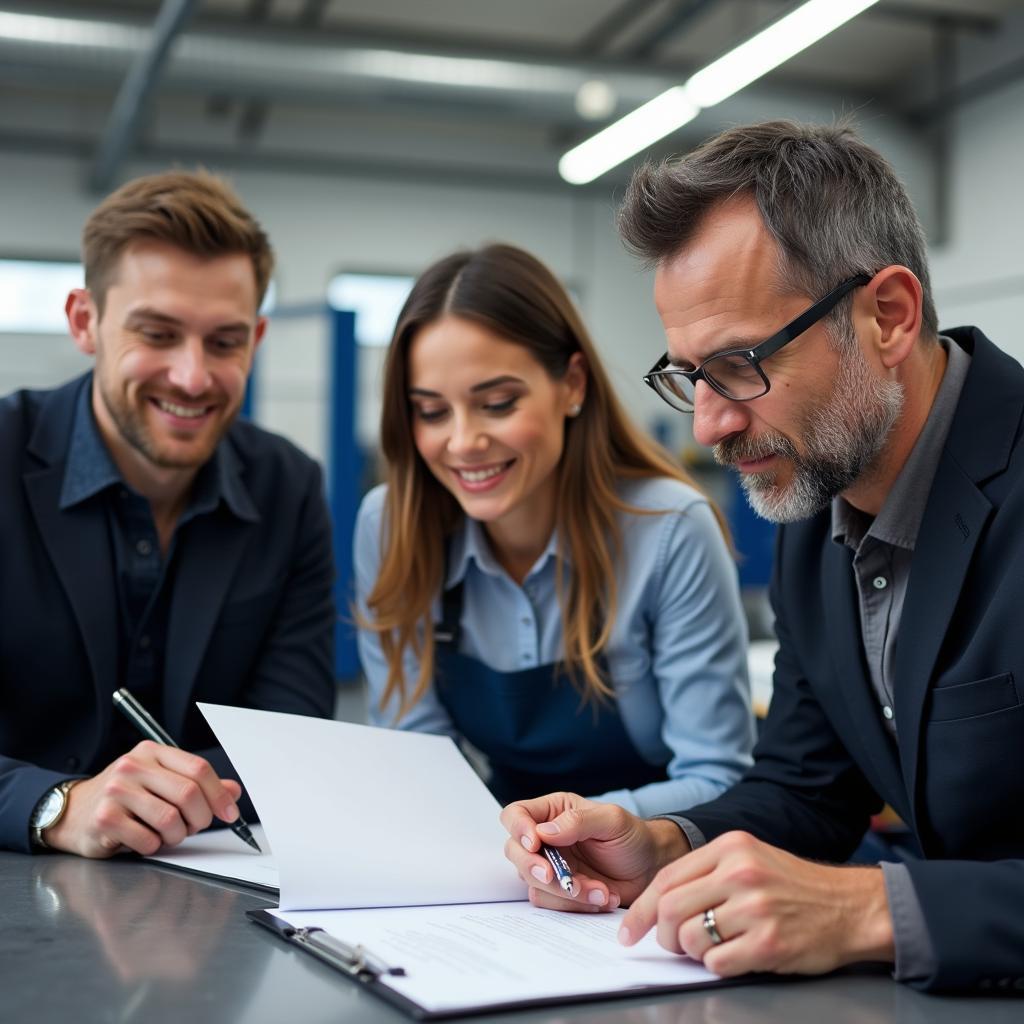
[
  {"x": 222, "y": 854},
  {"x": 365, "y": 817},
  {"x": 459, "y": 957}
]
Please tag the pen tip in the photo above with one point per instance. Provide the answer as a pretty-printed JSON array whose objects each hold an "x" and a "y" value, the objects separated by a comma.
[{"x": 252, "y": 842}]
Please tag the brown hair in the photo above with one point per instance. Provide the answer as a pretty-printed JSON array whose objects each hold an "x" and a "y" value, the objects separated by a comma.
[
  {"x": 517, "y": 297},
  {"x": 832, "y": 203},
  {"x": 195, "y": 211}
]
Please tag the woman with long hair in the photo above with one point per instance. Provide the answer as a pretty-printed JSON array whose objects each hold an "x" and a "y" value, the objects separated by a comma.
[{"x": 536, "y": 577}]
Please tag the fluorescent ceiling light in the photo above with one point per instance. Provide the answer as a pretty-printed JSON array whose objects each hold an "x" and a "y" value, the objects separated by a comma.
[
  {"x": 459, "y": 72},
  {"x": 636, "y": 131},
  {"x": 770, "y": 48},
  {"x": 33, "y": 28},
  {"x": 738, "y": 68}
]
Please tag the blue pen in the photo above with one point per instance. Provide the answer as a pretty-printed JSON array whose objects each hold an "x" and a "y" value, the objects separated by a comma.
[{"x": 561, "y": 868}]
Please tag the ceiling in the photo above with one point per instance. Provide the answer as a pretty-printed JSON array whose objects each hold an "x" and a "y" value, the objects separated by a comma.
[{"x": 454, "y": 89}]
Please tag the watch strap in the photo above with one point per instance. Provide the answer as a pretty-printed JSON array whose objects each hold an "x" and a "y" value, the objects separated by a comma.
[{"x": 65, "y": 788}]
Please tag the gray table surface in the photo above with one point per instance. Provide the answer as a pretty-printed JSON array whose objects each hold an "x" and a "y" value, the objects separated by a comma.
[{"x": 123, "y": 940}]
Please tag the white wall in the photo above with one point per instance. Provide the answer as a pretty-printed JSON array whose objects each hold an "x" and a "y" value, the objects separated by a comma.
[{"x": 979, "y": 275}]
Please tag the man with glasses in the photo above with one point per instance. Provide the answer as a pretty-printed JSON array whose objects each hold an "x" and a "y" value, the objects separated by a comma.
[{"x": 893, "y": 456}]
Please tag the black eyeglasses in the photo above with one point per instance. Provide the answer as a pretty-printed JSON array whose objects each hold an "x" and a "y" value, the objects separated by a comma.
[{"x": 737, "y": 374}]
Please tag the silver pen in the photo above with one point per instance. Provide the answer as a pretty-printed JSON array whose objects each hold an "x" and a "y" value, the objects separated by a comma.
[
  {"x": 153, "y": 730},
  {"x": 561, "y": 868}
]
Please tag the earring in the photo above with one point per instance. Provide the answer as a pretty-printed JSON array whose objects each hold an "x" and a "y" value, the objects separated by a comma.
[{"x": 575, "y": 410}]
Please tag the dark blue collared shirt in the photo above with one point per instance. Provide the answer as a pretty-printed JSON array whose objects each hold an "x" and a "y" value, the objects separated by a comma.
[{"x": 144, "y": 576}]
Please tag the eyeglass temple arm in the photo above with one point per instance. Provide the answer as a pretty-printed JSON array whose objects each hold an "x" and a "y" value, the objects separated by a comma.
[{"x": 808, "y": 318}]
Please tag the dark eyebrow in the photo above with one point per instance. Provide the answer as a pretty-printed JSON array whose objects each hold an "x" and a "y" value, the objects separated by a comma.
[
  {"x": 484, "y": 385},
  {"x": 155, "y": 316},
  {"x": 144, "y": 313}
]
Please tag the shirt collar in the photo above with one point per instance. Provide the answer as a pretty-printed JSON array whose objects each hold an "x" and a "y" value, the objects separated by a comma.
[
  {"x": 899, "y": 519},
  {"x": 469, "y": 544},
  {"x": 90, "y": 470}
]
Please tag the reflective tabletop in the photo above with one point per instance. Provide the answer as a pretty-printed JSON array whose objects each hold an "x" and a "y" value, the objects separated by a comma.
[{"x": 124, "y": 940}]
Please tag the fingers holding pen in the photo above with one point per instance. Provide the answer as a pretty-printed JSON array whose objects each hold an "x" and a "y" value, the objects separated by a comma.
[
  {"x": 546, "y": 890},
  {"x": 587, "y": 834}
]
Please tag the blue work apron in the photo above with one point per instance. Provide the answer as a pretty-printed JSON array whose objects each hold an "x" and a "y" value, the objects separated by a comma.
[{"x": 532, "y": 724}]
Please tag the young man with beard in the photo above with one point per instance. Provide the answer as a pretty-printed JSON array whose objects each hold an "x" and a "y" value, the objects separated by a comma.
[
  {"x": 893, "y": 456},
  {"x": 150, "y": 540}
]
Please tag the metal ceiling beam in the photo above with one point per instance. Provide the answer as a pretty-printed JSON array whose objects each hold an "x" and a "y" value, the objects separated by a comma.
[
  {"x": 123, "y": 124},
  {"x": 966, "y": 92},
  {"x": 667, "y": 27},
  {"x": 230, "y": 34},
  {"x": 258, "y": 10},
  {"x": 312, "y": 15},
  {"x": 612, "y": 25},
  {"x": 451, "y": 175},
  {"x": 926, "y": 16},
  {"x": 961, "y": 21}
]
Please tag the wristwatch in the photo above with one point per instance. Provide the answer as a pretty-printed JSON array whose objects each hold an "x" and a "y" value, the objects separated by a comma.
[{"x": 50, "y": 810}]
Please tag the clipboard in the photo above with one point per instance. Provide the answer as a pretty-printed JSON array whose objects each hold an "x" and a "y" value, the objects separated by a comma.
[
  {"x": 352, "y": 961},
  {"x": 428, "y": 916},
  {"x": 384, "y": 978}
]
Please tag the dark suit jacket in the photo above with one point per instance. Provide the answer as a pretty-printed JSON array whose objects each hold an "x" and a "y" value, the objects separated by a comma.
[
  {"x": 251, "y": 617},
  {"x": 826, "y": 762}
]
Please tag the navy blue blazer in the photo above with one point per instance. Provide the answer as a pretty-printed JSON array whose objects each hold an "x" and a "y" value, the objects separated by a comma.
[
  {"x": 825, "y": 762},
  {"x": 251, "y": 619}
]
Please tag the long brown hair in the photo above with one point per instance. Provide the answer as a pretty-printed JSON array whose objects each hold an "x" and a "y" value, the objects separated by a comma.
[{"x": 514, "y": 295}]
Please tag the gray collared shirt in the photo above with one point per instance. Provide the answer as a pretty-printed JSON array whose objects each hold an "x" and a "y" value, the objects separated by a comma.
[{"x": 883, "y": 549}]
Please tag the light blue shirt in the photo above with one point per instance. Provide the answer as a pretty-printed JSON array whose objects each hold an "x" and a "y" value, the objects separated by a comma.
[{"x": 676, "y": 655}]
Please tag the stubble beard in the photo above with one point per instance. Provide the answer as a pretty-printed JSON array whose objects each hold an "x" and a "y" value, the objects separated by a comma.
[
  {"x": 131, "y": 425},
  {"x": 843, "y": 438}
]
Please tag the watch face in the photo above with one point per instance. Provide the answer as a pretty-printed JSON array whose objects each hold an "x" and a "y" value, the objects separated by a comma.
[{"x": 49, "y": 809}]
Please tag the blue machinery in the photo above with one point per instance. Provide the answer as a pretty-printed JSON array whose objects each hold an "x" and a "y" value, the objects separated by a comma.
[
  {"x": 344, "y": 472},
  {"x": 343, "y": 469}
]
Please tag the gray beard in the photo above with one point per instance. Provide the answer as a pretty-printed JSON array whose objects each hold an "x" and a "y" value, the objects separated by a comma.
[{"x": 843, "y": 438}]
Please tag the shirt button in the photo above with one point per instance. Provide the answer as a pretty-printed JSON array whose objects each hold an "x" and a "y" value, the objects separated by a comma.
[
  {"x": 71, "y": 764},
  {"x": 887, "y": 712},
  {"x": 143, "y": 547},
  {"x": 144, "y": 641},
  {"x": 879, "y": 583}
]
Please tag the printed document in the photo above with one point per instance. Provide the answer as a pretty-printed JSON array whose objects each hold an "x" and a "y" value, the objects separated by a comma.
[
  {"x": 389, "y": 841},
  {"x": 221, "y": 854}
]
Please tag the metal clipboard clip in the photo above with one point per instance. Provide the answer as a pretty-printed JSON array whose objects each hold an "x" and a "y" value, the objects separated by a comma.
[{"x": 357, "y": 961}]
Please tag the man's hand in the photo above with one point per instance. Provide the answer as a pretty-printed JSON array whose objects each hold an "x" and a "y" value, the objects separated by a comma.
[
  {"x": 152, "y": 796},
  {"x": 613, "y": 854},
  {"x": 773, "y": 911}
]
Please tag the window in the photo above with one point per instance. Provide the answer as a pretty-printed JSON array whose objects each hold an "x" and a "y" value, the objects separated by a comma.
[
  {"x": 376, "y": 299},
  {"x": 32, "y": 295}
]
